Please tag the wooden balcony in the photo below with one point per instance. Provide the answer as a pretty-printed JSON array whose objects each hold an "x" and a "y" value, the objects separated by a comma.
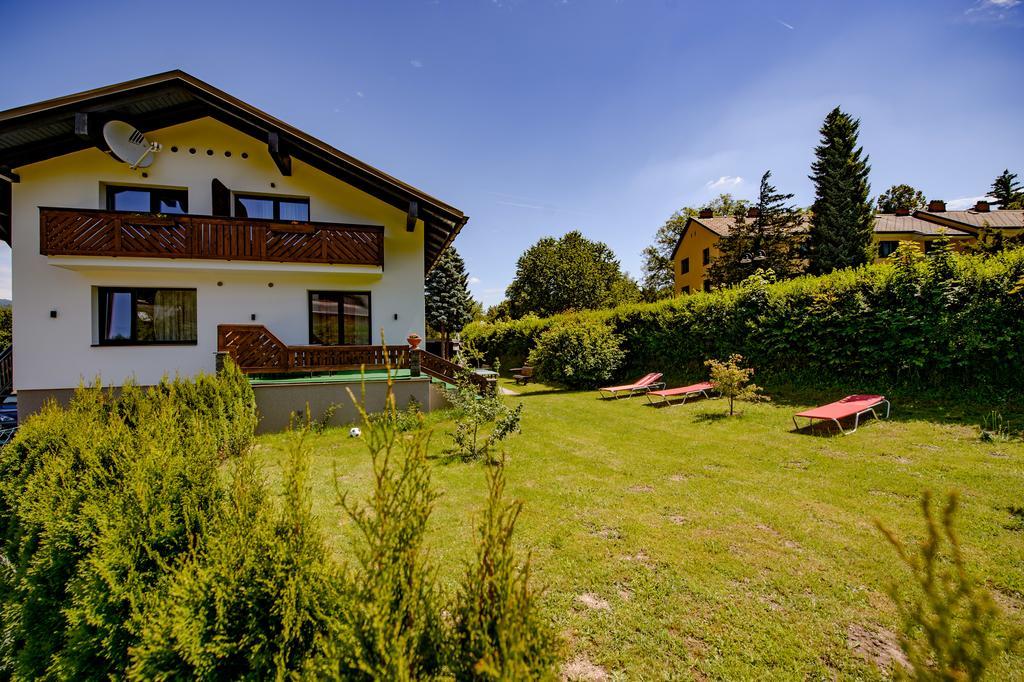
[{"x": 88, "y": 232}]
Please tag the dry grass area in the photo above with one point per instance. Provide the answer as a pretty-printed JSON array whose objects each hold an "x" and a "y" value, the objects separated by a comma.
[{"x": 676, "y": 543}]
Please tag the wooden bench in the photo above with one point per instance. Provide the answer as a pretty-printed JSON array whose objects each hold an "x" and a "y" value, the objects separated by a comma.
[{"x": 522, "y": 375}]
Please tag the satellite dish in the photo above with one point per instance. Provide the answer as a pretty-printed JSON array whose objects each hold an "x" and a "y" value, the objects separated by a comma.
[{"x": 130, "y": 145}]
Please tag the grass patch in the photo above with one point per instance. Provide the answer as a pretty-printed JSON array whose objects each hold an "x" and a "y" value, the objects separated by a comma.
[{"x": 674, "y": 543}]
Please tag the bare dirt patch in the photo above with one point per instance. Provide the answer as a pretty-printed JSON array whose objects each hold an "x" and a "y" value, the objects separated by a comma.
[
  {"x": 592, "y": 601},
  {"x": 1008, "y": 600},
  {"x": 607, "y": 533},
  {"x": 676, "y": 478},
  {"x": 641, "y": 489},
  {"x": 580, "y": 669},
  {"x": 640, "y": 557},
  {"x": 676, "y": 519},
  {"x": 876, "y": 645}
]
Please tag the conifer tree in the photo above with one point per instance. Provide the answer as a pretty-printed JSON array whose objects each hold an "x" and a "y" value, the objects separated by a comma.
[
  {"x": 449, "y": 306},
  {"x": 840, "y": 233},
  {"x": 766, "y": 240},
  {"x": 1006, "y": 191}
]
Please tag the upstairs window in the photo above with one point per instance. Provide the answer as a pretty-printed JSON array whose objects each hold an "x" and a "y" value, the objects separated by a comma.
[
  {"x": 684, "y": 266},
  {"x": 141, "y": 316},
  {"x": 685, "y": 290},
  {"x": 887, "y": 248},
  {"x": 271, "y": 208},
  {"x": 147, "y": 200},
  {"x": 706, "y": 256}
]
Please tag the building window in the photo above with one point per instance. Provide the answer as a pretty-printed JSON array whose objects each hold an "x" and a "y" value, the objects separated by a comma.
[
  {"x": 684, "y": 266},
  {"x": 930, "y": 246},
  {"x": 339, "y": 318},
  {"x": 271, "y": 208},
  {"x": 887, "y": 248},
  {"x": 138, "y": 316},
  {"x": 685, "y": 290},
  {"x": 706, "y": 256},
  {"x": 707, "y": 285},
  {"x": 147, "y": 200}
]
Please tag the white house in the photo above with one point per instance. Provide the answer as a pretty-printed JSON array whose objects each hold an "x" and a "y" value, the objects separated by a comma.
[{"x": 242, "y": 234}]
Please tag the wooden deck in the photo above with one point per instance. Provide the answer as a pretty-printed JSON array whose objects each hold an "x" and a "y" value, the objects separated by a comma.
[{"x": 88, "y": 232}]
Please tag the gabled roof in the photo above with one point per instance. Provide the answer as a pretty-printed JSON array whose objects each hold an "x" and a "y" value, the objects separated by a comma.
[
  {"x": 722, "y": 225},
  {"x": 973, "y": 220},
  {"x": 44, "y": 130},
  {"x": 890, "y": 223}
]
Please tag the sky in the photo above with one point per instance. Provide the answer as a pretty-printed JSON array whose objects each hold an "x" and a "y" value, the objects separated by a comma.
[{"x": 537, "y": 117}]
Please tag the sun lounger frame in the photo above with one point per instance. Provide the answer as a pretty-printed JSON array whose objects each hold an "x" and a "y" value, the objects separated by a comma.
[{"x": 856, "y": 416}]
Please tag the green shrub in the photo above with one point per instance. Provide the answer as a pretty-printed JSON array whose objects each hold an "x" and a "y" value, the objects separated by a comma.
[
  {"x": 98, "y": 501},
  {"x": 903, "y": 323},
  {"x": 258, "y": 600},
  {"x": 473, "y": 412},
  {"x": 497, "y": 633},
  {"x": 732, "y": 380},
  {"x": 948, "y": 619},
  {"x": 392, "y": 627},
  {"x": 584, "y": 354}
]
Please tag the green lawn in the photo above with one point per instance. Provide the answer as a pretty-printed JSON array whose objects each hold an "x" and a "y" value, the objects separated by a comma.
[{"x": 677, "y": 544}]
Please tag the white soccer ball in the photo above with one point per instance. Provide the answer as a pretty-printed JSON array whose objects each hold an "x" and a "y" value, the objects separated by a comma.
[{"x": 354, "y": 432}]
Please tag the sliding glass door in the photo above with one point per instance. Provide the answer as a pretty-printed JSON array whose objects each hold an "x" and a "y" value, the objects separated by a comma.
[{"x": 339, "y": 318}]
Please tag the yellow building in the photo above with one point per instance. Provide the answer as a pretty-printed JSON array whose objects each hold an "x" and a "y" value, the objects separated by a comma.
[
  {"x": 698, "y": 243},
  {"x": 698, "y": 246}
]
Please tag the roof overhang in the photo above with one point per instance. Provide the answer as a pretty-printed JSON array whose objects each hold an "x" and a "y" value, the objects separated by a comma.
[{"x": 44, "y": 130}]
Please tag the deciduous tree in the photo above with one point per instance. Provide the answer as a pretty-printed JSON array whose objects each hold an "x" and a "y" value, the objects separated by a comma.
[
  {"x": 901, "y": 196},
  {"x": 568, "y": 273}
]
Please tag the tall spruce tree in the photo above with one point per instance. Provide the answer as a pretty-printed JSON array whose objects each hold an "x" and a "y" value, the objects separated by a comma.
[
  {"x": 768, "y": 240},
  {"x": 840, "y": 234},
  {"x": 449, "y": 306},
  {"x": 1006, "y": 191}
]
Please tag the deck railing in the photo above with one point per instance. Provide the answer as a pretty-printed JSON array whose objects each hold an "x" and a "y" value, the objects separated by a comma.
[
  {"x": 256, "y": 350},
  {"x": 88, "y": 232}
]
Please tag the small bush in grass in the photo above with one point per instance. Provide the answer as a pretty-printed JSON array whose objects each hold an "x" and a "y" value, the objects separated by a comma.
[
  {"x": 582, "y": 354},
  {"x": 392, "y": 627},
  {"x": 948, "y": 619},
  {"x": 475, "y": 411},
  {"x": 994, "y": 428},
  {"x": 732, "y": 380},
  {"x": 497, "y": 632}
]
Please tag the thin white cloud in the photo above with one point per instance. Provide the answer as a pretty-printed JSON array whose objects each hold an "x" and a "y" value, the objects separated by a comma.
[
  {"x": 359, "y": 94},
  {"x": 724, "y": 181},
  {"x": 416, "y": 64},
  {"x": 789, "y": 26},
  {"x": 474, "y": 280},
  {"x": 964, "y": 203},
  {"x": 991, "y": 10}
]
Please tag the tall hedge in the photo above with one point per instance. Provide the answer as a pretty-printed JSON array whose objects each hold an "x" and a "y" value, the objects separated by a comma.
[{"x": 954, "y": 321}]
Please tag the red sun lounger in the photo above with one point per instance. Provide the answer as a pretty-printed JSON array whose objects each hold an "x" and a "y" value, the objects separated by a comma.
[
  {"x": 703, "y": 388},
  {"x": 641, "y": 385},
  {"x": 851, "y": 406}
]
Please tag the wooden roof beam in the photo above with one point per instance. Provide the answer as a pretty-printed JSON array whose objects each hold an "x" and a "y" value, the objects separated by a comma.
[{"x": 282, "y": 158}]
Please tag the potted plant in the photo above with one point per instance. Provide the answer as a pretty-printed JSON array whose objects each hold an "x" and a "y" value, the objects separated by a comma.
[{"x": 414, "y": 340}]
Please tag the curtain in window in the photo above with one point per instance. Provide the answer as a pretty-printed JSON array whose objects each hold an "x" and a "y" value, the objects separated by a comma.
[{"x": 174, "y": 315}]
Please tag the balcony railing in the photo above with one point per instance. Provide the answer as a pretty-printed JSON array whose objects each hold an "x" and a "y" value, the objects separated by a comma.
[{"x": 88, "y": 232}]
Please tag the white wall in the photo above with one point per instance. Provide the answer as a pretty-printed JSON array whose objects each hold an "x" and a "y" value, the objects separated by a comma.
[{"x": 58, "y": 353}]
